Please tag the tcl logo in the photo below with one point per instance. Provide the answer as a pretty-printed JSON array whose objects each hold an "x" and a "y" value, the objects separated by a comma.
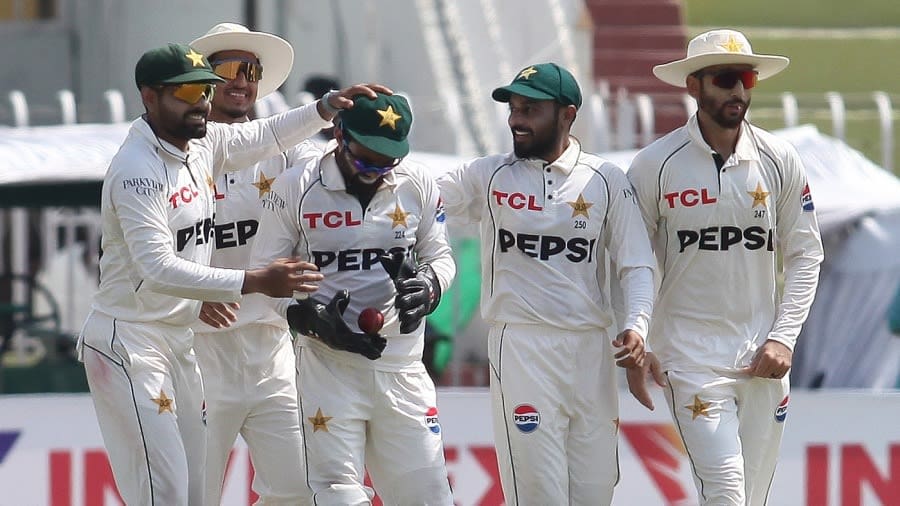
[
  {"x": 331, "y": 219},
  {"x": 517, "y": 200},
  {"x": 689, "y": 198},
  {"x": 186, "y": 194}
]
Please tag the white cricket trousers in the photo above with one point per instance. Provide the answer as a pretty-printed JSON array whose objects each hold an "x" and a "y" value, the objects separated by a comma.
[
  {"x": 731, "y": 425},
  {"x": 357, "y": 418},
  {"x": 148, "y": 398},
  {"x": 250, "y": 384},
  {"x": 556, "y": 412}
]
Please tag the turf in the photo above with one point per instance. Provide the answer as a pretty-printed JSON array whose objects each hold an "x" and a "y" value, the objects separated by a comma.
[{"x": 793, "y": 13}]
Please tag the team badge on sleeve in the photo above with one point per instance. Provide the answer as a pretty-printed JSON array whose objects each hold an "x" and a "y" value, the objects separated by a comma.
[
  {"x": 806, "y": 199},
  {"x": 439, "y": 215}
]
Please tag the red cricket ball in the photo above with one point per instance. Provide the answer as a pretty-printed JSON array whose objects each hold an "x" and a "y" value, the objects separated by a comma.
[{"x": 370, "y": 320}]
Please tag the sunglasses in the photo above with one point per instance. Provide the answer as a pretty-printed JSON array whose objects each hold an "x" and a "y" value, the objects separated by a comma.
[
  {"x": 193, "y": 92},
  {"x": 726, "y": 79},
  {"x": 229, "y": 69},
  {"x": 366, "y": 167}
]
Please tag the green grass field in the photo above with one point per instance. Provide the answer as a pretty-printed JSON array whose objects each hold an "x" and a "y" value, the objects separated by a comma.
[
  {"x": 849, "y": 47},
  {"x": 794, "y": 13}
]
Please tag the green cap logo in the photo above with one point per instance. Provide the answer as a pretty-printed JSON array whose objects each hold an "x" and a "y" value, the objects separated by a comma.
[
  {"x": 543, "y": 81},
  {"x": 381, "y": 125},
  {"x": 174, "y": 64}
]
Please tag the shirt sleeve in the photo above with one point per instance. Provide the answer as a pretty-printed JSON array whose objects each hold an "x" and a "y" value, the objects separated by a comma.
[
  {"x": 278, "y": 234},
  {"x": 801, "y": 249},
  {"x": 646, "y": 193},
  {"x": 151, "y": 244},
  {"x": 461, "y": 193},
  {"x": 279, "y": 230},
  {"x": 239, "y": 145},
  {"x": 626, "y": 240},
  {"x": 432, "y": 244}
]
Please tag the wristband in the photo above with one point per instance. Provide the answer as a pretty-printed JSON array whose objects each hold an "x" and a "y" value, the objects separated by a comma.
[{"x": 327, "y": 106}]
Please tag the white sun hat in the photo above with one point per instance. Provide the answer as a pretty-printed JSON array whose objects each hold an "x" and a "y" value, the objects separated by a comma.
[
  {"x": 718, "y": 47},
  {"x": 275, "y": 54}
]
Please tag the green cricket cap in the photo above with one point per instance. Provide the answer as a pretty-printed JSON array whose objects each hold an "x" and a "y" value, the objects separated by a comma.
[
  {"x": 381, "y": 124},
  {"x": 543, "y": 81},
  {"x": 174, "y": 64}
]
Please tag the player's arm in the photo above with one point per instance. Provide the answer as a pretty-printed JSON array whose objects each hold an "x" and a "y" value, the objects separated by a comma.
[
  {"x": 421, "y": 282},
  {"x": 240, "y": 145},
  {"x": 432, "y": 243},
  {"x": 462, "y": 193},
  {"x": 279, "y": 232},
  {"x": 626, "y": 239},
  {"x": 143, "y": 216},
  {"x": 645, "y": 184},
  {"x": 801, "y": 248}
]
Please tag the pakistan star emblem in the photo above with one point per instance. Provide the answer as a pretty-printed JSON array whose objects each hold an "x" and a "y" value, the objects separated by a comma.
[
  {"x": 398, "y": 217},
  {"x": 732, "y": 45},
  {"x": 196, "y": 58},
  {"x": 580, "y": 206},
  {"x": 388, "y": 117},
  {"x": 164, "y": 403},
  {"x": 526, "y": 74},
  {"x": 759, "y": 196},
  {"x": 319, "y": 421},
  {"x": 264, "y": 185},
  {"x": 698, "y": 408}
]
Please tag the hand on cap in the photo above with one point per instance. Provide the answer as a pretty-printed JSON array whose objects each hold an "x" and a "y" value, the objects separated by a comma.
[{"x": 334, "y": 101}]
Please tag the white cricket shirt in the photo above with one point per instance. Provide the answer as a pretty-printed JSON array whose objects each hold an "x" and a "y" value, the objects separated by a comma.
[
  {"x": 547, "y": 230},
  {"x": 715, "y": 233},
  {"x": 157, "y": 212},
  {"x": 309, "y": 214}
]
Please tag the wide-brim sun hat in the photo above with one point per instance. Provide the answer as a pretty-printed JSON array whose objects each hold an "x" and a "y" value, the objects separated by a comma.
[
  {"x": 275, "y": 54},
  {"x": 719, "y": 47}
]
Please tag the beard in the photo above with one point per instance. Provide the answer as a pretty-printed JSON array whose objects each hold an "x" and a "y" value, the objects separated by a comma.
[
  {"x": 540, "y": 145},
  {"x": 182, "y": 128},
  {"x": 718, "y": 113},
  {"x": 183, "y": 131}
]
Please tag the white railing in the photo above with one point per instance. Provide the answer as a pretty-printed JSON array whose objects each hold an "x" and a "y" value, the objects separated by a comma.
[{"x": 619, "y": 120}]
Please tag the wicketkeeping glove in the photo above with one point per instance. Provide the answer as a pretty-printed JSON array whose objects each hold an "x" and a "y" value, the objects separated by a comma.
[
  {"x": 418, "y": 290},
  {"x": 325, "y": 322}
]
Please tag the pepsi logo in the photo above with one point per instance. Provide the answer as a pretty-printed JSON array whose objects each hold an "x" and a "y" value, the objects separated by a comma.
[
  {"x": 781, "y": 410},
  {"x": 806, "y": 199},
  {"x": 526, "y": 418},
  {"x": 431, "y": 420}
]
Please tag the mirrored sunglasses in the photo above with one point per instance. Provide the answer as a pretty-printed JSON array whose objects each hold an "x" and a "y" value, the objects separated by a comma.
[
  {"x": 726, "y": 79},
  {"x": 229, "y": 69},
  {"x": 193, "y": 92},
  {"x": 366, "y": 167}
]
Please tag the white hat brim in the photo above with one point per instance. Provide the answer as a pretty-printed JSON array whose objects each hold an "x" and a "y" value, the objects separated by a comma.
[
  {"x": 275, "y": 54},
  {"x": 676, "y": 72}
]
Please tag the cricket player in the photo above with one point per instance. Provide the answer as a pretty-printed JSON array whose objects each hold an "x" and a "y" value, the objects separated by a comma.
[
  {"x": 374, "y": 225},
  {"x": 720, "y": 198},
  {"x": 551, "y": 216},
  {"x": 157, "y": 213},
  {"x": 248, "y": 366}
]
